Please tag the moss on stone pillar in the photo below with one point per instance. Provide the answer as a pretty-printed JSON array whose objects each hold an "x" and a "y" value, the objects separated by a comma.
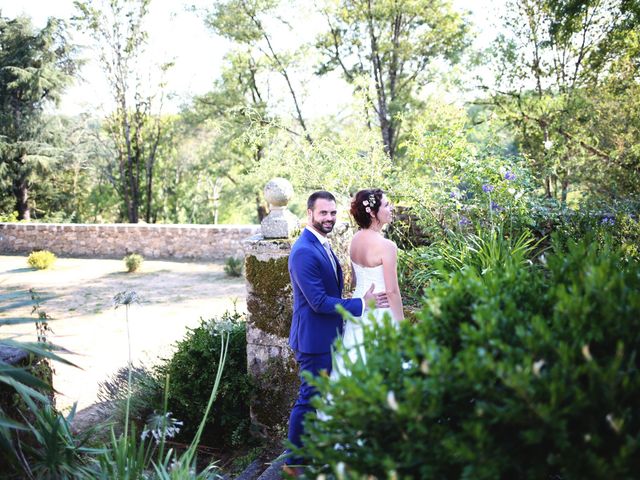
[{"x": 269, "y": 301}]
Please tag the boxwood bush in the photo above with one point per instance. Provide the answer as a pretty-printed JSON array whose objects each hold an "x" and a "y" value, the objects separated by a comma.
[
  {"x": 41, "y": 259},
  {"x": 133, "y": 262},
  {"x": 518, "y": 371},
  {"x": 192, "y": 371}
]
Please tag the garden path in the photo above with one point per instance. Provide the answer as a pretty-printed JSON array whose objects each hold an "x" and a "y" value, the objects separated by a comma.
[{"x": 78, "y": 295}]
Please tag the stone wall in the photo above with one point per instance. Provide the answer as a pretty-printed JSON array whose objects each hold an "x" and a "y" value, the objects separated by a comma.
[{"x": 207, "y": 242}]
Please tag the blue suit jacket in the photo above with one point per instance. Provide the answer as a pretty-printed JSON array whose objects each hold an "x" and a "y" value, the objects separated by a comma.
[{"x": 316, "y": 293}]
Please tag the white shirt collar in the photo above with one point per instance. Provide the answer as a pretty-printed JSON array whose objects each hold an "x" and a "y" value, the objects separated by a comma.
[{"x": 321, "y": 238}]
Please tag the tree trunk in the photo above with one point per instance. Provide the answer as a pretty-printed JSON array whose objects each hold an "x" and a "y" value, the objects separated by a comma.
[
  {"x": 547, "y": 186},
  {"x": 151, "y": 161},
  {"x": 149, "y": 192},
  {"x": 386, "y": 127},
  {"x": 21, "y": 192},
  {"x": 564, "y": 190},
  {"x": 260, "y": 208}
]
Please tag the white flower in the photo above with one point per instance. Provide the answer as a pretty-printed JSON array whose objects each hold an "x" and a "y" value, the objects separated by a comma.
[
  {"x": 512, "y": 191},
  {"x": 614, "y": 423},
  {"x": 160, "y": 426},
  {"x": 548, "y": 144},
  {"x": 126, "y": 297},
  {"x": 391, "y": 401},
  {"x": 424, "y": 367},
  {"x": 502, "y": 170},
  {"x": 537, "y": 366},
  {"x": 519, "y": 194}
]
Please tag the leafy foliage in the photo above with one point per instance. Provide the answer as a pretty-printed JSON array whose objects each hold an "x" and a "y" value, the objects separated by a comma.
[
  {"x": 133, "y": 262},
  {"x": 390, "y": 45},
  {"x": 41, "y": 260},
  {"x": 234, "y": 267},
  {"x": 53, "y": 450},
  {"x": 35, "y": 68},
  {"x": 192, "y": 372},
  {"x": 518, "y": 371},
  {"x": 556, "y": 67},
  {"x": 146, "y": 396},
  {"x": 136, "y": 127}
]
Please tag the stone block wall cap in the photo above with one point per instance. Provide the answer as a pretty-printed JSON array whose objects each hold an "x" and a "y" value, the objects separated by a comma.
[
  {"x": 278, "y": 191},
  {"x": 280, "y": 223},
  {"x": 253, "y": 239}
]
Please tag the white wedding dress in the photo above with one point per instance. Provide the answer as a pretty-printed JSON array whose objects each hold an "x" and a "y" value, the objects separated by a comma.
[{"x": 353, "y": 338}]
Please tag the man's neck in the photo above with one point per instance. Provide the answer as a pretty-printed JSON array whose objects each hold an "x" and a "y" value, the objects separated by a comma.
[{"x": 317, "y": 232}]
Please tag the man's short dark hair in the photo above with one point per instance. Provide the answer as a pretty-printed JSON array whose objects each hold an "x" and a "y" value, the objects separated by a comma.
[{"x": 320, "y": 194}]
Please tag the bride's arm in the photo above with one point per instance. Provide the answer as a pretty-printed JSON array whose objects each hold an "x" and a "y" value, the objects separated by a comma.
[
  {"x": 390, "y": 272},
  {"x": 353, "y": 277}
]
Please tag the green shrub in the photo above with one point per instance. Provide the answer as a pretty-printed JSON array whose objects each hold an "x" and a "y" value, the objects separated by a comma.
[
  {"x": 9, "y": 217},
  {"x": 41, "y": 259},
  {"x": 420, "y": 267},
  {"x": 616, "y": 222},
  {"x": 133, "y": 261},
  {"x": 192, "y": 372},
  {"x": 53, "y": 450},
  {"x": 514, "y": 372},
  {"x": 234, "y": 267},
  {"x": 146, "y": 396}
]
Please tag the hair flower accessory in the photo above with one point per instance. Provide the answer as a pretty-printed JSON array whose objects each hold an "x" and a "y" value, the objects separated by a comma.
[
  {"x": 368, "y": 209},
  {"x": 365, "y": 203}
]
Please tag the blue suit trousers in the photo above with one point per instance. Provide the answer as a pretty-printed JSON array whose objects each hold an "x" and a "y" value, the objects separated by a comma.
[{"x": 307, "y": 362}]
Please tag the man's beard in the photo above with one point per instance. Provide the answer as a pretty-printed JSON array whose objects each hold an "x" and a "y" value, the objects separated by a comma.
[{"x": 325, "y": 227}]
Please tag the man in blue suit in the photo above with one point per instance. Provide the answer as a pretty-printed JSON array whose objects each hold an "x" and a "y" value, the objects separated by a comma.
[{"x": 316, "y": 278}]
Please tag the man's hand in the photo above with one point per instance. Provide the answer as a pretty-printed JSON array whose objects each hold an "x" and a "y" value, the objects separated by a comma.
[{"x": 378, "y": 299}]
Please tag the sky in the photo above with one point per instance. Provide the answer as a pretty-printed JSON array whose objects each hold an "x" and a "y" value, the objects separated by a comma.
[{"x": 177, "y": 33}]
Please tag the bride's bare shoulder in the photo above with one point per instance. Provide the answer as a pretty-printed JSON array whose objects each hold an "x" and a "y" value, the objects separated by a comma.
[{"x": 390, "y": 244}]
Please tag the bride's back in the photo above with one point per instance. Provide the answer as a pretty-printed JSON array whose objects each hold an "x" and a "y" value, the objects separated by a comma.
[
  {"x": 367, "y": 248},
  {"x": 365, "y": 277}
]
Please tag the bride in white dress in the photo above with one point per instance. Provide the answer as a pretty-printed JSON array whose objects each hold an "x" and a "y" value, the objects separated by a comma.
[{"x": 374, "y": 260}]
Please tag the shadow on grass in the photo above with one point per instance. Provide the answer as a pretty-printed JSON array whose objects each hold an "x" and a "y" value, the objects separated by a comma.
[
  {"x": 139, "y": 274},
  {"x": 21, "y": 298},
  {"x": 21, "y": 270}
]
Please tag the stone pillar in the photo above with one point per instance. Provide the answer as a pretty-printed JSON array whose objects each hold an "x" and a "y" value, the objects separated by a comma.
[{"x": 269, "y": 305}]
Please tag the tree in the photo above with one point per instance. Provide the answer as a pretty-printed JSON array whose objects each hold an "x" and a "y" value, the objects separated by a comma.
[
  {"x": 567, "y": 74},
  {"x": 79, "y": 189},
  {"x": 35, "y": 68},
  {"x": 242, "y": 22},
  {"x": 135, "y": 126},
  {"x": 231, "y": 128},
  {"x": 392, "y": 43}
]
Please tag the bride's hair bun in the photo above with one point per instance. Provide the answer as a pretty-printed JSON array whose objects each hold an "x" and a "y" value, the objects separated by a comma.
[{"x": 363, "y": 204}]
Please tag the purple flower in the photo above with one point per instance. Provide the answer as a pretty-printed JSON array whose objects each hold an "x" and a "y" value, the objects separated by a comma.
[
  {"x": 608, "y": 220},
  {"x": 495, "y": 207},
  {"x": 452, "y": 195},
  {"x": 464, "y": 221},
  {"x": 509, "y": 175},
  {"x": 487, "y": 188}
]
